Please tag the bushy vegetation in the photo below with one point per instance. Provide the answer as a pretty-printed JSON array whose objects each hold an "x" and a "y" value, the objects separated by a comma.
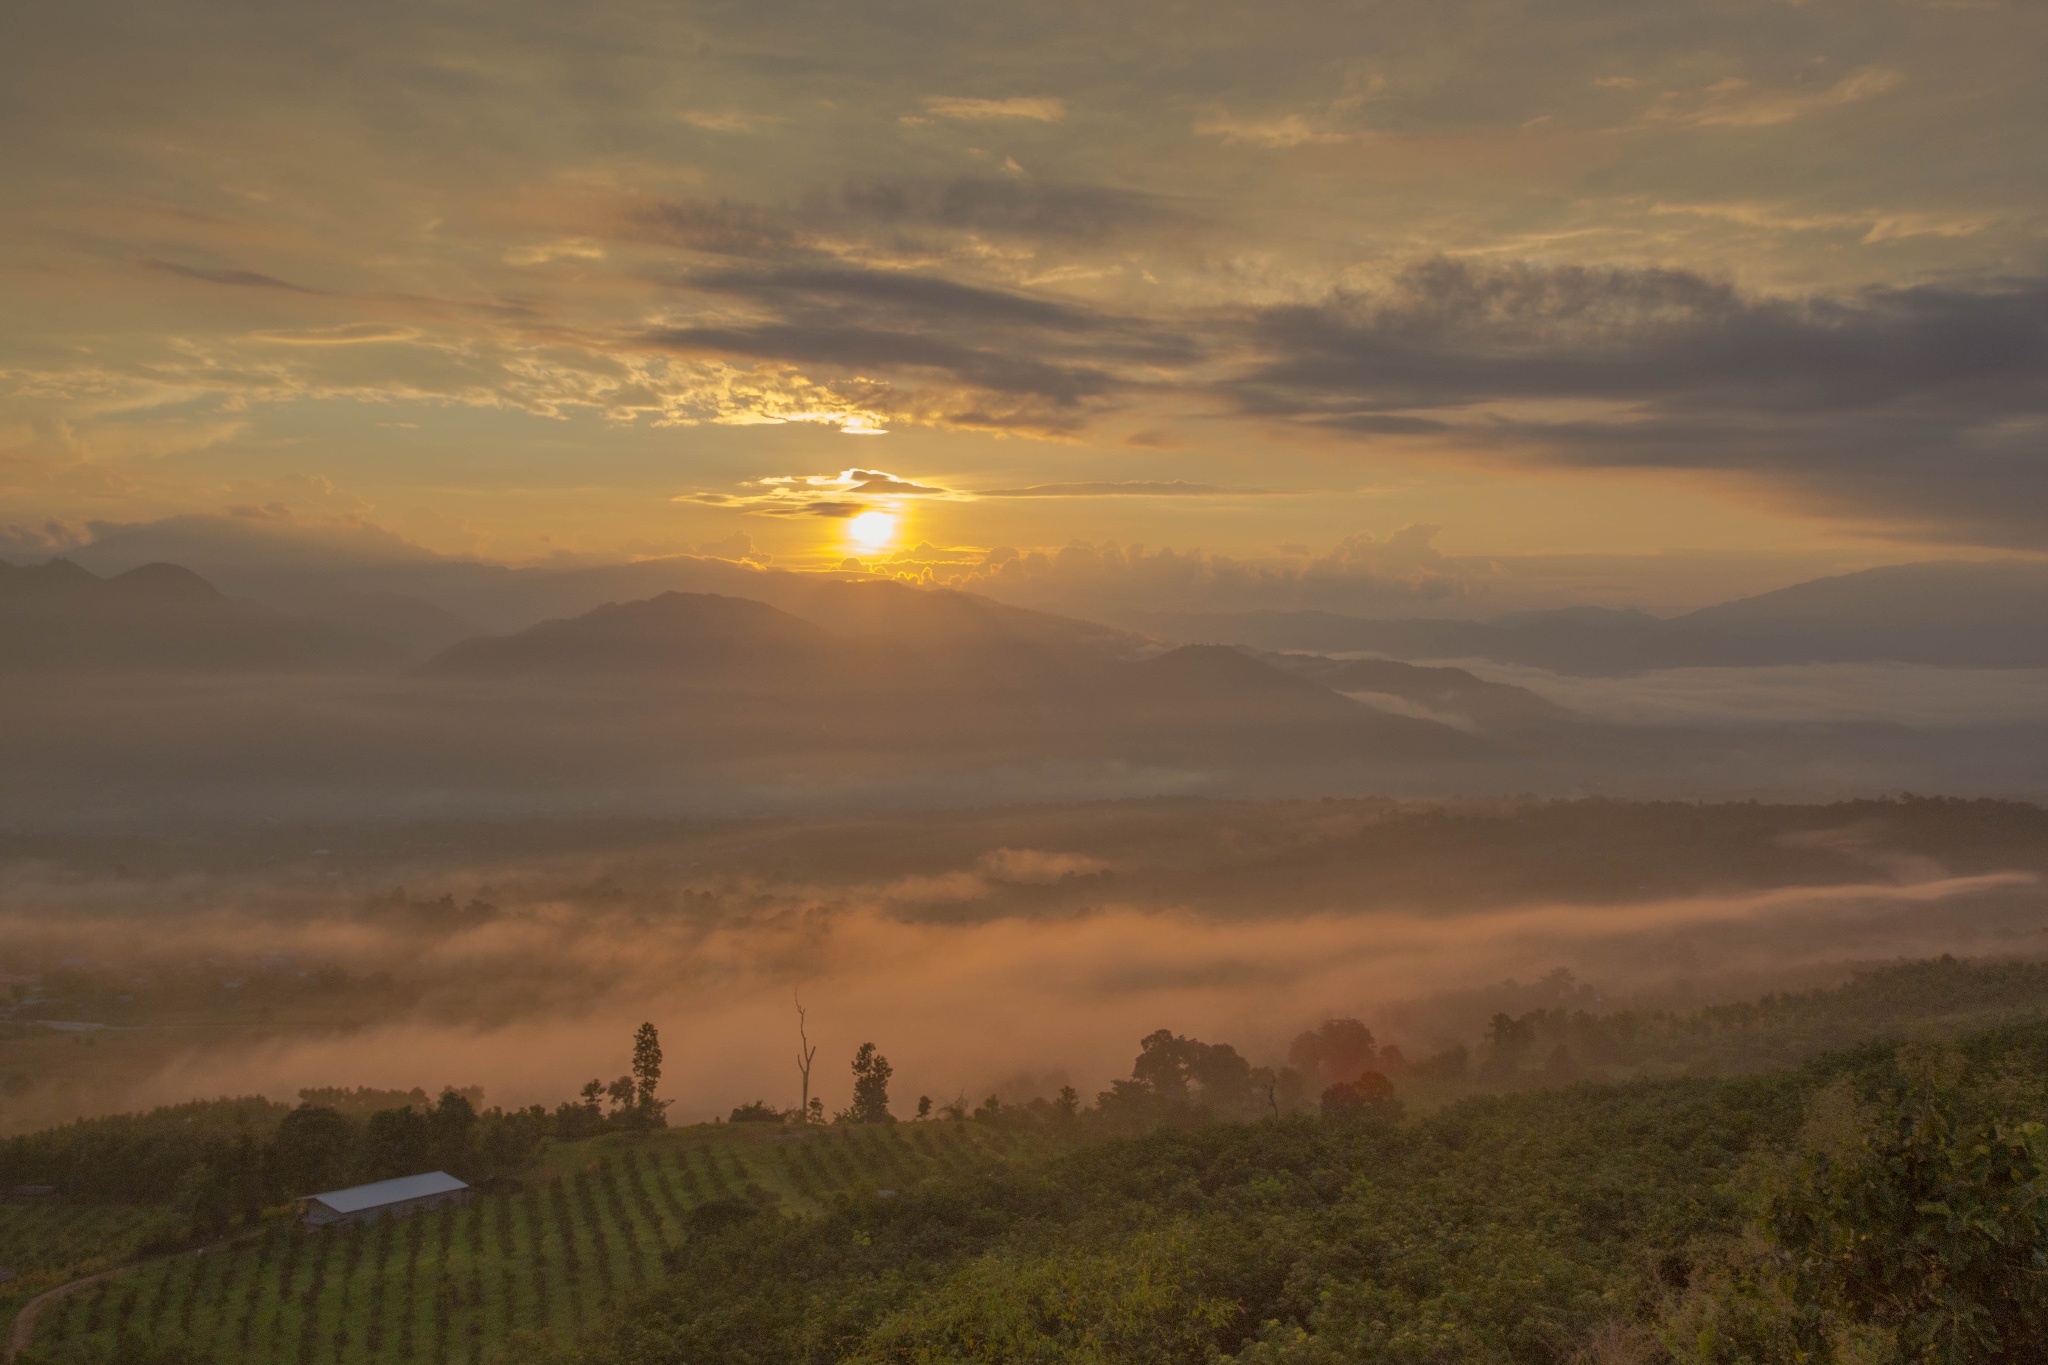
[
  {"x": 1879, "y": 1205},
  {"x": 547, "y": 1260},
  {"x": 1885, "y": 1205}
]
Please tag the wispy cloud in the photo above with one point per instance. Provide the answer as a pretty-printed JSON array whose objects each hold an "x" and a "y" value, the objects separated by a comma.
[
  {"x": 1873, "y": 225},
  {"x": 345, "y": 334},
  {"x": 726, "y": 121},
  {"x": 1737, "y": 103},
  {"x": 1280, "y": 130},
  {"x": 244, "y": 279},
  {"x": 845, "y": 494},
  {"x": 1036, "y": 109},
  {"x": 1131, "y": 488}
]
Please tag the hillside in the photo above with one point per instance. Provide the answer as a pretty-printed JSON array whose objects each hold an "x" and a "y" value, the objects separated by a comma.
[
  {"x": 58, "y": 617},
  {"x": 1187, "y": 1214},
  {"x": 1452, "y": 695},
  {"x": 1975, "y": 614},
  {"x": 946, "y": 663}
]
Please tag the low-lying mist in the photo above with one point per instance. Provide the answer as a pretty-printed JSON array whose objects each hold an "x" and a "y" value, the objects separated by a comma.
[
  {"x": 1921, "y": 696},
  {"x": 992, "y": 952}
]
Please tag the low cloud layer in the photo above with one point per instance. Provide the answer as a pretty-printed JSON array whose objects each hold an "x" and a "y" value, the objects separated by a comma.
[
  {"x": 971, "y": 947},
  {"x": 1915, "y": 695},
  {"x": 960, "y": 1007}
]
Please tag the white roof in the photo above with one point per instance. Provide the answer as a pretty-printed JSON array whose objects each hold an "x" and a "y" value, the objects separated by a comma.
[{"x": 389, "y": 1192}]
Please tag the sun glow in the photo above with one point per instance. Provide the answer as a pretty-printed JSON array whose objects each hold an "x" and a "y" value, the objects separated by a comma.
[{"x": 871, "y": 530}]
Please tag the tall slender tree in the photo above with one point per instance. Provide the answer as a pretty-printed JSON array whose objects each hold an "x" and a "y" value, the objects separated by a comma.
[
  {"x": 647, "y": 1070},
  {"x": 806, "y": 1050}
]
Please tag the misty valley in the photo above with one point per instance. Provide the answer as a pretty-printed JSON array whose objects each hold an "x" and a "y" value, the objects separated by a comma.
[
  {"x": 688, "y": 960},
  {"x": 1158, "y": 1078},
  {"x": 1088, "y": 682}
]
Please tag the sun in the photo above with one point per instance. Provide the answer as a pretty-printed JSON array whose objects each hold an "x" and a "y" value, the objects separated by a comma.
[{"x": 871, "y": 530}]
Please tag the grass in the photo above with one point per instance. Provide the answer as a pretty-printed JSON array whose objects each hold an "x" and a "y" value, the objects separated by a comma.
[
  {"x": 46, "y": 1245},
  {"x": 447, "y": 1287}
]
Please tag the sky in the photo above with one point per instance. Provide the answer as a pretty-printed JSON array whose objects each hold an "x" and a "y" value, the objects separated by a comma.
[{"x": 1658, "y": 301}]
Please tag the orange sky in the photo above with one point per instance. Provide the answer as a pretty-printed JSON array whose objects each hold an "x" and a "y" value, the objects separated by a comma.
[{"x": 1755, "y": 290}]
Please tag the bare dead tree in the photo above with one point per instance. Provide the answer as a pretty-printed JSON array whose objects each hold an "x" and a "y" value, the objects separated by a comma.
[{"x": 806, "y": 1050}]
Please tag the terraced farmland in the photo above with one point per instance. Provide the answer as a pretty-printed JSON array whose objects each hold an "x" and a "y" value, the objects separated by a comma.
[{"x": 448, "y": 1286}]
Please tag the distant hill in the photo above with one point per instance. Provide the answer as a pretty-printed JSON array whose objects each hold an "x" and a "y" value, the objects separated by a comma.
[
  {"x": 946, "y": 664},
  {"x": 159, "y": 617},
  {"x": 1978, "y": 615},
  {"x": 676, "y": 638},
  {"x": 1449, "y": 694},
  {"x": 371, "y": 582}
]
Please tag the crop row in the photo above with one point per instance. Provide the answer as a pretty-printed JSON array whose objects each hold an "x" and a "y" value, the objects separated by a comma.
[{"x": 445, "y": 1287}]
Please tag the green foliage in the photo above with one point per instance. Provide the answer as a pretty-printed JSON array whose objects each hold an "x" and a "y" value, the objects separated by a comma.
[
  {"x": 519, "y": 1272},
  {"x": 1933, "y": 1226},
  {"x": 1910, "y": 1222},
  {"x": 133, "y": 1158},
  {"x": 871, "y": 1073},
  {"x": 1369, "y": 1099},
  {"x": 646, "y": 1068},
  {"x": 1144, "y": 1303},
  {"x": 1505, "y": 1229}
]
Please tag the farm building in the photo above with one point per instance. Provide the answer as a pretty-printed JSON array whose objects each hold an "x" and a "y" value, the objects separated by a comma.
[{"x": 385, "y": 1198}]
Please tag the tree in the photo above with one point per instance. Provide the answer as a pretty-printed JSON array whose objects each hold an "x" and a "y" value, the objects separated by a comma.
[
  {"x": 806, "y": 1050},
  {"x": 647, "y": 1111},
  {"x": 396, "y": 1142},
  {"x": 1913, "y": 1217},
  {"x": 1512, "y": 1040},
  {"x": 205, "y": 1201},
  {"x": 646, "y": 1064},
  {"x": 1337, "y": 1051},
  {"x": 1177, "y": 1069},
  {"x": 871, "y": 1073},
  {"x": 924, "y": 1106},
  {"x": 623, "y": 1095},
  {"x": 451, "y": 1133},
  {"x": 1370, "y": 1097},
  {"x": 312, "y": 1152}
]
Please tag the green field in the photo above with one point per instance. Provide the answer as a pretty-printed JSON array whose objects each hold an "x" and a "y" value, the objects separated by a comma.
[
  {"x": 450, "y": 1286},
  {"x": 46, "y": 1245}
]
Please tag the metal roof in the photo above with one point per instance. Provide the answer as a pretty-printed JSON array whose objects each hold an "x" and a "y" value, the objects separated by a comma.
[{"x": 383, "y": 1192}]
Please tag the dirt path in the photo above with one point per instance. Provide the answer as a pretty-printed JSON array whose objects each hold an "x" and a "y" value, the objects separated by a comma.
[{"x": 24, "y": 1328}]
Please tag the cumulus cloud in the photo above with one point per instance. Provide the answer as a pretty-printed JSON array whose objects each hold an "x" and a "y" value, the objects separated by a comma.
[
  {"x": 1923, "y": 405},
  {"x": 848, "y": 273}
]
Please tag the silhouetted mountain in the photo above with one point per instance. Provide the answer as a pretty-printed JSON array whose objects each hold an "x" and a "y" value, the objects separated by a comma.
[
  {"x": 981, "y": 675},
  {"x": 1981, "y": 615},
  {"x": 1993, "y": 615},
  {"x": 58, "y": 616},
  {"x": 676, "y": 637}
]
